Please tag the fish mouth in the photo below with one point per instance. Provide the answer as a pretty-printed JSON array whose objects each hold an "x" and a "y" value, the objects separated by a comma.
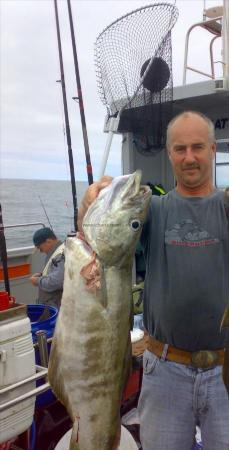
[
  {"x": 133, "y": 189},
  {"x": 132, "y": 186},
  {"x": 124, "y": 189}
]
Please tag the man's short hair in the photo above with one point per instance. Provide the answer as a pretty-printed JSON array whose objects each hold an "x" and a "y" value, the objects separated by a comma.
[
  {"x": 42, "y": 234},
  {"x": 186, "y": 114}
]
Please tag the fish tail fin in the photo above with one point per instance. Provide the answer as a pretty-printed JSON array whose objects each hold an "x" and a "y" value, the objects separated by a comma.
[{"x": 74, "y": 442}]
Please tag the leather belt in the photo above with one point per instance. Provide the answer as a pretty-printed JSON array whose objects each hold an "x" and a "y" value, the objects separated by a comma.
[{"x": 202, "y": 359}]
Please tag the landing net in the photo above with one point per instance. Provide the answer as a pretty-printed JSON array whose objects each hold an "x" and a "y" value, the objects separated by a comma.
[{"x": 133, "y": 60}]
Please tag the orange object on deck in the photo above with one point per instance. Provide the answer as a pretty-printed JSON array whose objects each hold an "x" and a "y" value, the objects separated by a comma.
[{"x": 21, "y": 270}]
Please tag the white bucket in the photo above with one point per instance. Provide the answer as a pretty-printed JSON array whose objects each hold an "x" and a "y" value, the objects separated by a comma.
[
  {"x": 127, "y": 441},
  {"x": 17, "y": 362}
]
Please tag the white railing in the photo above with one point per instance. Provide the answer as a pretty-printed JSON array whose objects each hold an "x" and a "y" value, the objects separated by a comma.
[{"x": 41, "y": 372}]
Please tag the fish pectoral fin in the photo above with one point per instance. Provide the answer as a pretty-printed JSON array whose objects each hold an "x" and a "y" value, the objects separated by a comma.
[
  {"x": 91, "y": 273},
  {"x": 74, "y": 442}
]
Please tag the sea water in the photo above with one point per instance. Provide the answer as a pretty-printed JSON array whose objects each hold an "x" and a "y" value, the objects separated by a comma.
[{"x": 29, "y": 201}]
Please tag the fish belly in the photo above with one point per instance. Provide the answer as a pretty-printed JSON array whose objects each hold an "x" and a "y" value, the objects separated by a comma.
[{"x": 88, "y": 354}]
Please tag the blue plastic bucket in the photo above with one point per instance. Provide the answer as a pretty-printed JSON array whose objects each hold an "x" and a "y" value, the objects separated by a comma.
[{"x": 34, "y": 313}]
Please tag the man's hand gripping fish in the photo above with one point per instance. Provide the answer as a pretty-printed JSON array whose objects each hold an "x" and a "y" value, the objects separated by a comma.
[{"x": 88, "y": 365}]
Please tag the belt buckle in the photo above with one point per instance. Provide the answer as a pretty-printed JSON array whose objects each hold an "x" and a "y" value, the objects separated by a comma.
[{"x": 204, "y": 359}]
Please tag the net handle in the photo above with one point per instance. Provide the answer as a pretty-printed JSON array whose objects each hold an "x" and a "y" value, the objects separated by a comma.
[
  {"x": 112, "y": 127},
  {"x": 106, "y": 154}
]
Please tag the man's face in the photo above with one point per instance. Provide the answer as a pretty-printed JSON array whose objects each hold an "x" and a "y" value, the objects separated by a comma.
[
  {"x": 191, "y": 153},
  {"x": 46, "y": 246}
]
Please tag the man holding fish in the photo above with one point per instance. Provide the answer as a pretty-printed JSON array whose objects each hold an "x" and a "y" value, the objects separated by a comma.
[{"x": 186, "y": 242}]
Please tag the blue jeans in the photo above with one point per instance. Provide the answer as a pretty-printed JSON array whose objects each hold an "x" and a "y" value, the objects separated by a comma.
[{"x": 174, "y": 399}]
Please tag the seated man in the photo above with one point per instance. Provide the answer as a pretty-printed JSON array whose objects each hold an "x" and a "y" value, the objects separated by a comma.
[{"x": 50, "y": 281}]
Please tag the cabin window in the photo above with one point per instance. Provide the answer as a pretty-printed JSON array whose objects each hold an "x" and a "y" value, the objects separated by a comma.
[{"x": 222, "y": 164}]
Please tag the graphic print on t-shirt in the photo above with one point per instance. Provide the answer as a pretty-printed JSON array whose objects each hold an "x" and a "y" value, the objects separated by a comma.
[{"x": 189, "y": 234}]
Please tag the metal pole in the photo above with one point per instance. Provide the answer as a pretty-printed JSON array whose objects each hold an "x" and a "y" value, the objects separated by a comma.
[
  {"x": 226, "y": 38},
  {"x": 42, "y": 347},
  {"x": 80, "y": 97},
  {"x": 68, "y": 134},
  {"x": 3, "y": 253}
]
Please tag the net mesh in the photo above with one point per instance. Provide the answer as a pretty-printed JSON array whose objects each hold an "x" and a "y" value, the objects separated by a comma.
[{"x": 133, "y": 60}]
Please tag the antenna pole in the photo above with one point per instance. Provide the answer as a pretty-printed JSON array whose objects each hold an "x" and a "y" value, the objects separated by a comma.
[
  {"x": 3, "y": 253},
  {"x": 80, "y": 97},
  {"x": 225, "y": 38},
  {"x": 68, "y": 134}
]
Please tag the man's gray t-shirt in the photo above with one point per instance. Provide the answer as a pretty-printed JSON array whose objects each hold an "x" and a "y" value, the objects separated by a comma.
[{"x": 186, "y": 242}]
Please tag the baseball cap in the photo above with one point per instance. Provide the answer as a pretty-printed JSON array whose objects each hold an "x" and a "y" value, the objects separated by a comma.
[{"x": 42, "y": 234}]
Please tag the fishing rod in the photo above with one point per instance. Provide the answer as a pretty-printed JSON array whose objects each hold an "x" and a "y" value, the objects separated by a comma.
[
  {"x": 3, "y": 254},
  {"x": 68, "y": 134},
  {"x": 80, "y": 97},
  {"x": 47, "y": 217}
]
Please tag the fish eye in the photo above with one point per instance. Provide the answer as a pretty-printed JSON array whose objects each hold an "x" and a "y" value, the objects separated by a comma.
[{"x": 135, "y": 224}]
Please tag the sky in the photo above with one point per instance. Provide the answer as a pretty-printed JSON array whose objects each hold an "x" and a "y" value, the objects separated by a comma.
[{"x": 32, "y": 132}]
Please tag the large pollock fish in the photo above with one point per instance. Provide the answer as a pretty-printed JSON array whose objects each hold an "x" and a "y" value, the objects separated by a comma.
[{"x": 88, "y": 364}]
